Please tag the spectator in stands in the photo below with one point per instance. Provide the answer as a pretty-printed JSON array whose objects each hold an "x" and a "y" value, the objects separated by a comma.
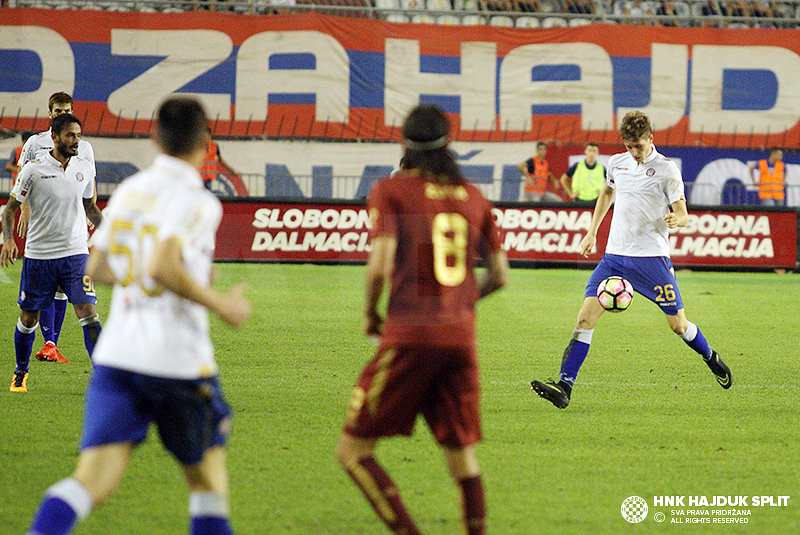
[
  {"x": 668, "y": 9},
  {"x": 13, "y": 164},
  {"x": 584, "y": 7},
  {"x": 766, "y": 9},
  {"x": 714, "y": 9},
  {"x": 639, "y": 10},
  {"x": 498, "y": 5},
  {"x": 770, "y": 179},
  {"x": 737, "y": 9},
  {"x": 529, "y": 6}
]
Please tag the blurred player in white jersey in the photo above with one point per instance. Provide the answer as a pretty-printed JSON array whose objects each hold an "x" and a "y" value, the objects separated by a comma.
[
  {"x": 59, "y": 187},
  {"x": 51, "y": 318},
  {"x": 645, "y": 185},
  {"x": 155, "y": 362}
]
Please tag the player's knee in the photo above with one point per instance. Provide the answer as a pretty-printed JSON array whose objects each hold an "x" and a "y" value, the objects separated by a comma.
[
  {"x": 29, "y": 319},
  {"x": 348, "y": 451},
  {"x": 679, "y": 327},
  {"x": 86, "y": 311},
  {"x": 346, "y": 456}
]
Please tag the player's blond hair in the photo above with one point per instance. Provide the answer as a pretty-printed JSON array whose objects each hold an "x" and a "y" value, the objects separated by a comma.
[{"x": 635, "y": 125}]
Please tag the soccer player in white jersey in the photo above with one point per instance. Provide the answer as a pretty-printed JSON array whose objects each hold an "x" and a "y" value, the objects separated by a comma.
[
  {"x": 644, "y": 186},
  {"x": 59, "y": 187},
  {"x": 155, "y": 362},
  {"x": 51, "y": 318}
]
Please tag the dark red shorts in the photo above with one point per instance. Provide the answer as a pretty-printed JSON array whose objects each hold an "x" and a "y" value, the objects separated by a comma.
[{"x": 401, "y": 382}]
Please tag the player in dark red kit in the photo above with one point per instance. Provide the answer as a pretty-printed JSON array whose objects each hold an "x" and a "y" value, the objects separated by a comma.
[{"x": 430, "y": 226}]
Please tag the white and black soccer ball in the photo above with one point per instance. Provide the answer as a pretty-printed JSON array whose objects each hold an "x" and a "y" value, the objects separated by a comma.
[{"x": 615, "y": 294}]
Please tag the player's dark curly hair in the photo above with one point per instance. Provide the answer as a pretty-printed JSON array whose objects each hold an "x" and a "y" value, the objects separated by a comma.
[
  {"x": 181, "y": 126},
  {"x": 426, "y": 133},
  {"x": 61, "y": 122},
  {"x": 635, "y": 125}
]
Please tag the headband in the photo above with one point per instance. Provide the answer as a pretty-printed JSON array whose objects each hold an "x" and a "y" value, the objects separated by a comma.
[{"x": 437, "y": 143}]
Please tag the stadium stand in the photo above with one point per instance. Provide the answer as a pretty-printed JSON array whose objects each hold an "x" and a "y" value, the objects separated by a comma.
[{"x": 521, "y": 13}]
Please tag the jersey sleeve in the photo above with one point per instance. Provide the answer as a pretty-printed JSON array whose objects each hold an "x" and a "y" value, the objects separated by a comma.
[
  {"x": 610, "y": 181},
  {"x": 88, "y": 192},
  {"x": 673, "y": 183},
  {"x": 382, "y": 213},
  {"x": 24, "y": 183},
  {"x": 28, "y": 149}
]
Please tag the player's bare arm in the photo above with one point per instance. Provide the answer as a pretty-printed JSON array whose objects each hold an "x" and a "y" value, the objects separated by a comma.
[
  {"x": 604, "y": 201},
  {"x": 24, "y": 218},
  {"x": 379, "y": 272},
  {"x": 167, "y": 269},
  {"x": 523, "y": 168},
  {"x": 92, "y": 211},
  {"x": 98, "y": 269},
  {"x": 496, "y": 274},
  {"x": 679, "y": 217},
  {"x": 9, "y": 251}
]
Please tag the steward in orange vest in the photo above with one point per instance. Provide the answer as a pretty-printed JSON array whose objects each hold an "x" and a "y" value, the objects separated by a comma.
[
  {"x": 771, "y": 183},
  {"x": 537, "y": 175},
  {"x": 210, "y": 167}
]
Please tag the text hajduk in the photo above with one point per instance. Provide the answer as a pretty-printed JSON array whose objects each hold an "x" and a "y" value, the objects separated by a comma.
[{"x": 720, "y": 501}]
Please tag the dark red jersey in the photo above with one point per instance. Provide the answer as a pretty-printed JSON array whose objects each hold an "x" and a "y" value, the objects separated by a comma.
[{"x": 441, "y": 232}]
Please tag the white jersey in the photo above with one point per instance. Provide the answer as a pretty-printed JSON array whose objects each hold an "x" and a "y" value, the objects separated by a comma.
[
  {"x": 644, "y": 193},
  {"x": 151, "y": 330},
  {"x": 43, "y": 141},
  {"x": 55, "y": 195}
]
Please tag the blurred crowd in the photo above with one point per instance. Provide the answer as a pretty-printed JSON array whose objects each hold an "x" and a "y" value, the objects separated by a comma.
[{"x": 721, "y": 13}]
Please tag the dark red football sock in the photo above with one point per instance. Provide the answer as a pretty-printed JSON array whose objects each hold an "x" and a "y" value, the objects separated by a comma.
[
  {"x": 381, "y": 492},
  {"x": 474, "y": 505}
]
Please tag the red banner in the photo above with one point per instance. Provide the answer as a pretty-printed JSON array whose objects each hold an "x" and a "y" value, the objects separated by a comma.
[
  {"x": 737, "y": 238},
  {"x": 299, "y": 232},
  {"x": 305, "y": 232},
  {"x": 317, "y": 76}
]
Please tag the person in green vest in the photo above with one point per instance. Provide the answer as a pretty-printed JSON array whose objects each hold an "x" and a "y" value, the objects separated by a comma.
[{"x": 584, "y": 180}]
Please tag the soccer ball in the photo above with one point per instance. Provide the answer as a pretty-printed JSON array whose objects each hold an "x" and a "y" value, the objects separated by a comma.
[{"x": 615, "y": 294}]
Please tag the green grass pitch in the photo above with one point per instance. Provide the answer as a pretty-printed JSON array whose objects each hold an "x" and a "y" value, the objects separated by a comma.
[{"x": 647, "y": 417}]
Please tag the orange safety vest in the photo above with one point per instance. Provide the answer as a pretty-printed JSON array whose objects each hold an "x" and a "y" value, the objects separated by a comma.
[
  {"x": 18, "y": 152},
  {"x": 770, "y": 185},
  {"x": 541, "y": 173},
  {"x": 210, "y": 167}
]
